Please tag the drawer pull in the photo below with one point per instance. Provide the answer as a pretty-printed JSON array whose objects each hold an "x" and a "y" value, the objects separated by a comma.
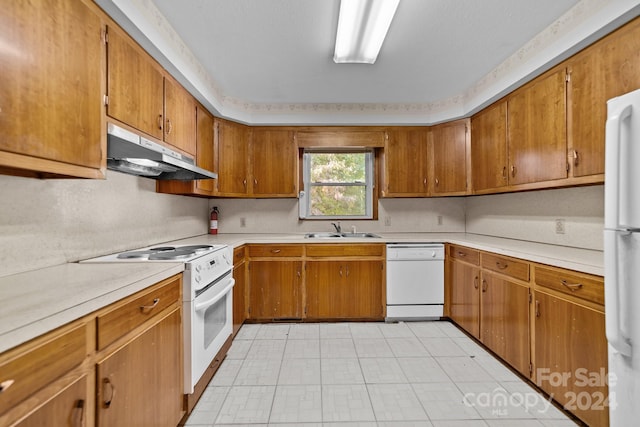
[
  {"x": 4, "y": 385},
  {"x": 106, "y": 383},
  {"x": 571, "y": 286},
  {"x": 462, "y": 254},
  {"x": 78, "y": 418},
  {"x": 276, "y": 251},
  {"x": 501, "y": 265},
  {"x": 147, "y": 308}
]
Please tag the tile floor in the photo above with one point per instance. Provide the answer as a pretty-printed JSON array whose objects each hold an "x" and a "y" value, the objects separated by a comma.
[{"x": 367, "y": 374}]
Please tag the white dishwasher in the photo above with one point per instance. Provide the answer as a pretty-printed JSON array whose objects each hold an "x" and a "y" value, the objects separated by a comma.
[{"x": 415, "y": 281}]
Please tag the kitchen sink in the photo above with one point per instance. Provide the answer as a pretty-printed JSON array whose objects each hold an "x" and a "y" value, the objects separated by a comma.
[{"x": 329, "y": 235}]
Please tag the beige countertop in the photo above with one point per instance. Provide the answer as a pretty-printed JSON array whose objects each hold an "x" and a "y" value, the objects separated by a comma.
[{"x": 39, "y": 301}]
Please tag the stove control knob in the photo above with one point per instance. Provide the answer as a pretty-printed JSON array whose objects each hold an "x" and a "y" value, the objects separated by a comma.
[
  {"x": 198, "y": 268},
  {"x": 198, "y": 279}
]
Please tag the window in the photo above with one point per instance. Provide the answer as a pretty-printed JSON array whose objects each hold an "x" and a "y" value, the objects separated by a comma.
[{"x": 337, "y": 185}]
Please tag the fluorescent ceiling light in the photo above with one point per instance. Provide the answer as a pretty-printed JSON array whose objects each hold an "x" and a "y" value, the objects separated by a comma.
[{"x": 362, "y": 27}]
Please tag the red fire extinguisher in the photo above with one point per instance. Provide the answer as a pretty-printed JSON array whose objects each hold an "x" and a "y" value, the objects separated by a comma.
[{"x": 213, "y": 227}]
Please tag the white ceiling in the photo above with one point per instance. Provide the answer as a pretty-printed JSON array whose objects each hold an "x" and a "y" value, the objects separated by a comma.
[{"x": 280, "y": 51}]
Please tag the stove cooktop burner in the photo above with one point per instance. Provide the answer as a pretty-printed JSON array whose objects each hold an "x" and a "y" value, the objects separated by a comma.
[{"x": 166, "y": 252}]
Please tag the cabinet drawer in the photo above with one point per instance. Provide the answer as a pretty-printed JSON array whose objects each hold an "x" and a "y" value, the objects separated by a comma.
[
  {"x": 40, "y": 363},
  {"x": 507, "y": 266},
  {"x": 582, "y": 286},
  {"x": 472, "y": 256},
  {"x": 238, "y": 255},
  {"x": 339, "y": 250},
  {"x": 275, "y": 251},
  {"x": 134, "y": 312}
]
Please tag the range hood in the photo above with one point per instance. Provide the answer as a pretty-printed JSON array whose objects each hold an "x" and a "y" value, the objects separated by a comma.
[{"x": 131, "y": 153}]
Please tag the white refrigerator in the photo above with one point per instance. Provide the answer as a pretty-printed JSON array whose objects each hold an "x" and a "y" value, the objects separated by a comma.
[{"x": 622, "y": 257}]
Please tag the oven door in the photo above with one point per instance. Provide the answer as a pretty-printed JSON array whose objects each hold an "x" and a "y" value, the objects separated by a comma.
[{"x": 208, "y": 324}]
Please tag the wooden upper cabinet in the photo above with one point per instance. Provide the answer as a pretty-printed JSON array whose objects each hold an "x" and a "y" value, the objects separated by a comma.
[
  {"x": 536, "y": 130},
  {"x": 489, "y": 148},
  {"x": 231, "y": 150},
  {"x": 179, "y": 117},
  {"x": 448, "y": 143},
  {"x": 135, "y": 85},
  {"x": 603, "y": 71},
  {"x": 51, "y": 87},
  {"x": 274, "y": 163},
  {"x": 405, "y": 163}
]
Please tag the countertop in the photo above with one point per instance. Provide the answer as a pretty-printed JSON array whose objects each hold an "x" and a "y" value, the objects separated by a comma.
[{"x": 39, "y": 301}]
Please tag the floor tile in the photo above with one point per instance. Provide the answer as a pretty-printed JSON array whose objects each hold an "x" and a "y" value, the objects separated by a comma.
[
  {"x": 426, "y": 329},
  {"x": 247, "y": 332},
  {"x": 461, "y": 423},
  {"x": 227, "y": 372},
  {"x": 493, "y": 401},
  {"x": 341, "y": 371},
  {"x": 404, "y": 424},
  {"x": 346, "y": 403},
  {"x": 463, "y": 369},
  {"x": 451, "y": 330},
  {"x": 395, "y": 402},
  {"x": 372, "y": 347},
  {"x": 299, "y": 371},
  {"x": 239, "y": 349},
  {"x": 422, "y": 370},
  {"x": 538, "y": 405},
  {"x": 297, "y": 403},
  {"x": 443, "y": 401},
  {"x": 496, "y": 369},
  {"x": 442, "y": 347},
  {"x": 470, "y": 348},
  {"x": 407, "y": 347},
  {"x": 382, "y": 370},
  {"x": 304, "y": 331},
  {"x": 395, "y": 330},
  {"x": 302, "y": 349},
  {"x": 335, "y": 330},
  {"x": 266, "y": 349},
  {"x": 258, "y": 372},
  {"x": 273, "y": 331},
  {"x": 365, "y": 330},
  {"x": 248, "y": 405},
  {"x": 208, "y": 406},
  {"x": 337, "y": 348}
]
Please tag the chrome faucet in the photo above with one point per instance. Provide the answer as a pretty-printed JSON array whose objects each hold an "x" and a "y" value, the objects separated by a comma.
[{"x": 337, "y": 226}]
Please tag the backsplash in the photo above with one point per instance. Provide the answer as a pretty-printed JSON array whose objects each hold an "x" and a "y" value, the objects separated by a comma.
[
  {"x": 281, "y": 216},
  {"x": 532, "y": 216},
  {"x": 49, "y": 222}
]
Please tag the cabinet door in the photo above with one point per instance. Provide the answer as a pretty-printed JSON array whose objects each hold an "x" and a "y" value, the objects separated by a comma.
[
  {"x": 603, "y": 71},
  {"x": 536, "y": 123},
  {"x": 140, "y": 384},
  {"x": 449, "y": 148},
  {"x": 179, "y": 117},
  {"x": 489, "y": 147},
  {"x": 51, "y": 64},
  {"x": 231, "y": 147},
  {"x": 204, "y": 148},
  {"x": 135, "y": 85},
  {"x": 344, "y": 289},
  {"x": 405, "y": 163},
  {"x": 239, "y": 301},
  {"x": 275, "y": 289},
  {"x": 66, "y": 409},
  {"x": 274, "y": 163},
  {"x": 504, "y": 320},
  {"x": 570, "y": 343},
  {"x": 465, "y": 297}
]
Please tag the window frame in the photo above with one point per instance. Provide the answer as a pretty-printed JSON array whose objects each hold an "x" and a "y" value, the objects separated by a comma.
[{"x": 369, "y": 184}]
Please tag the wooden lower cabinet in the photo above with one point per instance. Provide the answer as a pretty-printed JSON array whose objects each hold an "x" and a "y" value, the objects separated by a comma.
[
  {"x": 140, "y": 384},
  {"x": 570, "y": 353},
  {"x": 275, "y": 289},
  {"x": 465, "y": 296},
  {"x": 344, "y": 289},
  {"x": 504, "y": 320}
]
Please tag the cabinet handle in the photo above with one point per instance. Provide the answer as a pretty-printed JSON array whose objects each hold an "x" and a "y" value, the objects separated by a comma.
[
  {"x": 78, "y": 414},
  {"x": 347, "y": 271},
  {"x": 112, "y": 392},
  {"x": 424, "y": 182},
  {"x": 4, "y": 385},
  {"x": 244, "y": 182},
  {"x": 255, "y": 181},
  {"x": 484, "y": 285},
  {"x": 275, "y": 251},
  {"x": 462, "y": 254},
  {"x": 148, "y": 308},
  {"x": 299, "y": 273},
  {"x": 576, "y": 159},
  {"x": 571, "y": 286},
  {"x": 504, "y": 172},
  {"x": 160, "y": 121},
  {"x": 169, "y": 126},
  {"x": 501, "y": 265},
  {"x": 513, "y": 170},
  {"x": 537, "y": 308},
  {"x": 437, "y": 182},
  {"x": 475, "y": 282}
]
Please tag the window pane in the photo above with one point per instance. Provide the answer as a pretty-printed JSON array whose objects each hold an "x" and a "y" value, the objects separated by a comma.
[
  {"x": 337, "y": 200},
  {"x": 338, "y": 167}
]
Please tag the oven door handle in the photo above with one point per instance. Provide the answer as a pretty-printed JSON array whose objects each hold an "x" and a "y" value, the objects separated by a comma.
[{"x": 208, "y": 303}]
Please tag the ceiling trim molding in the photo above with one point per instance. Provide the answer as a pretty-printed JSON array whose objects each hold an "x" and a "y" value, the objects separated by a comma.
[{"x": 584, "y": 23}]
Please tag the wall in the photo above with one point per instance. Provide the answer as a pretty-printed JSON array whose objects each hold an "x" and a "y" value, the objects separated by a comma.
[
  {"x": 49, "y": 222},
  {"x": 532, "y": 216},
  {"x": 281, "y": 216}
]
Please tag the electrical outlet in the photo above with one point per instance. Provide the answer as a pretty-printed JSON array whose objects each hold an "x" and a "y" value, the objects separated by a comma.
[
  {"x": 243, "y": 221},
  {"x": 559, "y": 226},
  {"x": 387, "y": 221},
  {"x": 439, "y": 219}
]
